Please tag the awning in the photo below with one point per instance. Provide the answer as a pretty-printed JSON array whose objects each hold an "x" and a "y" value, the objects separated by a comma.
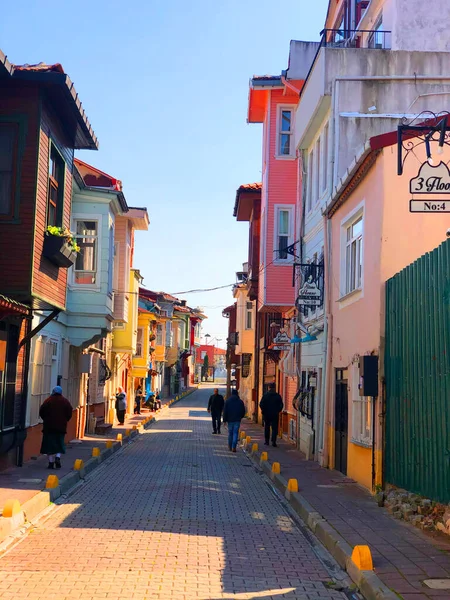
[{"x": 8, "y": 305}]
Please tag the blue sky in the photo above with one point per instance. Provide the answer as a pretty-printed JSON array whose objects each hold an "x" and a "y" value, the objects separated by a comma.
[{"x": 165, "y": 87}]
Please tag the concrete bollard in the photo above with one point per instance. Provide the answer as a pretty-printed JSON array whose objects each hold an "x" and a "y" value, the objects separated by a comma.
[
  {"x": 362, "y": 558},
  {"x": 11, "y": 508},
  {"x": 95, "y": 452},
  {"x": 248, "y": 439},
  {"x": 78, "y": 465},
  {"x": 292, "y": 485},
  {"x": 264, "y": 457},
  {"x": 52, "y": 482},
  {"x": 127, "y": 432},
  {"x": 119, "y": 437},
  {"x": 276, "y": 468},
  {"x": 109, "y": 444},
  {"x": 254, "y": 448},
  {"x": 242, "y": 435}
]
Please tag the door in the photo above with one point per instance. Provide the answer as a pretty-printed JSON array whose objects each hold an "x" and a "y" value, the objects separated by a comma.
[{"x": 341, "y": 421}]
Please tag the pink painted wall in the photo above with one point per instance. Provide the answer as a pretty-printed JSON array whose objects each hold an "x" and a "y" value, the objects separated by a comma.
[
  {"x": 279, "y": 187},
  {"x": 393, "y": 239}
]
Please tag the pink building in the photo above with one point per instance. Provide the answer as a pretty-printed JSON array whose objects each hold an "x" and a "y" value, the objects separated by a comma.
[{"x": 272, "y": 102}]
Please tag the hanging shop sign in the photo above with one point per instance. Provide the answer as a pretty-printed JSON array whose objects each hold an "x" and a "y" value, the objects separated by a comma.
[
  {"x": 431, "y": 181},
  {"x": 281, "y": 342},
  {"x": 310, "y": 294}
]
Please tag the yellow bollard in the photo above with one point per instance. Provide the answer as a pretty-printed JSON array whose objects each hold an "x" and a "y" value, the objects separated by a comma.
[
  {"x": 109, "y": 444},
  {"x": 78, "y": 465},
  {"x": 242, "y": 435},
  {"x": 254, "y": 448},
  {"x": 95, "y": 452},
  {"x": 135, "y": 427},
  {"x": 52, "y": 482},
  {"x": 264, "y": 456},
  {"x": 292, "y": 485},
  {"x": 362, "y": 558},
  {"x": 119, "y": 437},
  {"x": 11, "y": 508},
  {"x": 127, "y": 432},
  {"x": 276, "y": 468},
  {"x": 248, "y": 439}
]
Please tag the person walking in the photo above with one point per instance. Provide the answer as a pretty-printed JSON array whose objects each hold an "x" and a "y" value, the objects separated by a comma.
[
  {"x": 233, "y": 413},
  {"x": 121, "y": 405},
  {"x": 55, "y": 413},
  {"x": 215, "y": 407},
  {"x": 137, "y": 401},
  {"x": 271, "y": 405}
]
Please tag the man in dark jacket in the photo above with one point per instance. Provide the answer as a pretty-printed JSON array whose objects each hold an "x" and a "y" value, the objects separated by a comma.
[
  {"x": 271, "y": 405},
  {"x": 233, "y": 413},
  {"x": 215, "y": 407},
  {"x": 55, "y": 413}
]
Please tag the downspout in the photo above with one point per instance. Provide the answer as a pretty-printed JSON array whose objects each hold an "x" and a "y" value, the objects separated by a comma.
[
  {"x": 328, "y": 388},
  {"x": 323, "y": 391}
]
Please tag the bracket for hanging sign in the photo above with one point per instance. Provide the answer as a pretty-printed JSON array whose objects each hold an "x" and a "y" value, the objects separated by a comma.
[
  {"x": 311, "y": 292},
  {"x": 427, "y": 127}
]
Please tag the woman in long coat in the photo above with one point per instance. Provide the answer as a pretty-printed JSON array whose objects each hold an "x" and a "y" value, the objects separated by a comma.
[
  {"x": 121, "y": 405},
  {"x": 55, "y": 413}
]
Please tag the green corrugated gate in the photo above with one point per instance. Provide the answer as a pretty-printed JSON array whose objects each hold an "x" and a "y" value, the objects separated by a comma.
[{"x": 417, "y": 369}]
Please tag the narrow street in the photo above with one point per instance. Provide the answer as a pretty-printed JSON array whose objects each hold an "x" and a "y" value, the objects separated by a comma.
[{"x": 173, "y": 515}]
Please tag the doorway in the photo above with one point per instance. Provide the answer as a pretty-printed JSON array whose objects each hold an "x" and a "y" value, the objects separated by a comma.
[{"x": 341, "y": 421}]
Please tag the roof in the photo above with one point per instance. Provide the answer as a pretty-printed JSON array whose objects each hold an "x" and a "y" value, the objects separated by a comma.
[
  {"x": 62, "y": 94},
  {"x": 138, "y": 217},
  {"x": 182, "y": 309},
  {"x": 219, "y": 350},
  {"x": 226, "y": 311},
  {"x": 13, "y": 305},
  {"x": 6, "y": 68},
  {"x": 96, "y": 180},
  {"x": 243, "y": 212}
]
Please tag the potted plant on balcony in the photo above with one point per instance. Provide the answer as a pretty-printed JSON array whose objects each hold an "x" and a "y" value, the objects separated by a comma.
[
  {"x": 152, "y": 337},
  {"x": 60, "y": 246}
]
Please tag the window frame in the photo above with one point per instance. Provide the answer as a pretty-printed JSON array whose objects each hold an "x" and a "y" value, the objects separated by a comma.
[
  {"x": 98, "y": 279},
  {"x": 278, "y": 154},
  {"x": 248, "y": 313},
  {"x": 290, "y": 208},
  {"x": 325, "y": 152},
  {"x": 361, "y": 412},
  {"x": 15, "y": 128},
  {"x": 348, "y": 221},
  {"x": 377, "y": 29},
  {"x": 310, "y": 180},
  {"x": 53, "y": 183},
  {"x": 139, "y": 343}
]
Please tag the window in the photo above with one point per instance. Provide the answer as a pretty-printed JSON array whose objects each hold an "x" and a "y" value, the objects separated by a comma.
[
  {"x": 111, "y": 260},
  {"x": 285, "y": 132},
  {"x": 353, "y": 255},
  {"x": 139, "y": 342},
  {"x": 248, "y": 315},
  {"x": 44, "y": 373},
  {"x": 55, "y": 199},
  {"x": 361, "y": 412},
  {"x": 8, "y": 144},
  {"x": 169, "y": 335},
  {"x": 159, "y": 334},
  {"x": 376, "y": 38},
  {"x": 85, "y": 272},
  {"x": 310, "y": 192},
  {"x": 284, "y": 229},
  {"x": 325, "y": 159},
  {"x": 317, "y": 172},
  {"x": 203, "y": 354}
]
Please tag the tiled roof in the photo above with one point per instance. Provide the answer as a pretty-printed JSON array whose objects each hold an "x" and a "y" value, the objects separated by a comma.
[
  {"x": 62, "y": 91},
  {"x": 242, "y": 189},
  {"x": 11, "y": 304},
  {"x": 266, "y": 77},
  {"x": 182, "y": 309}
]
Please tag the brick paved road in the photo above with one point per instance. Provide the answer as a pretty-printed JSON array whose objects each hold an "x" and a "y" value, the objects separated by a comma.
[{"x": 173, "y": 516}]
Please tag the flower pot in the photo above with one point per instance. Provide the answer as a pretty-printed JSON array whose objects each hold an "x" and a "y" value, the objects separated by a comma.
[{"x": 57, "y": 250}]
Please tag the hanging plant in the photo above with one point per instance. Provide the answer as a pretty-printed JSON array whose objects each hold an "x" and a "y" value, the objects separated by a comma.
[{"x": 65, "y": 233}]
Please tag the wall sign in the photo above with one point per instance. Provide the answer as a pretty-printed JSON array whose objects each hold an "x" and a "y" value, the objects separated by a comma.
[
  {"x": 431, "y": 181},
  {"x": 281, "y": 342},
  {"x": 310, "y": 293}
]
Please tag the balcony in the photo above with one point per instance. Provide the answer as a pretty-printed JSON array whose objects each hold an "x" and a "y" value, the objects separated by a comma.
[{"x": 374, "y": 39}]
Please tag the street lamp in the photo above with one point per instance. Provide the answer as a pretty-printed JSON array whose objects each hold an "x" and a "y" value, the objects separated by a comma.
[{"x": 207, "y": 336}]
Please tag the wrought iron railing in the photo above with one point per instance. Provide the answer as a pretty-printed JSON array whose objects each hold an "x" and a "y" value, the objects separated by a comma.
[{"x": 375, "y": 39}]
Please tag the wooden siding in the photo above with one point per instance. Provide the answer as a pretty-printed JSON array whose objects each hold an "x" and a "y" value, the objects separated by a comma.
[
  {"x": 49, "y": 281},
  {"x": 121, "y": 298},
  {"x": 282, "y": 189},
  {"x": 17, "y": 102}
]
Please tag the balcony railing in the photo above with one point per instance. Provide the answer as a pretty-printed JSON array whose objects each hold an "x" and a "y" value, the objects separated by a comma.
[{"x": 356, "y": 38}]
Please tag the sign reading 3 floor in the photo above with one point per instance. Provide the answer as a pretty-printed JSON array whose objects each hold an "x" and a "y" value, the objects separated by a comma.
[{"x": 431, "y": 181}]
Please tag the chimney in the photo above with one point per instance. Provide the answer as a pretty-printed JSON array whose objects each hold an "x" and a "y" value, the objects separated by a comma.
[{"x": 183, "y": 302}]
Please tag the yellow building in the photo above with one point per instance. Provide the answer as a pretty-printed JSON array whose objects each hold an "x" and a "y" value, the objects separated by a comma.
[
  {"x": 125, "y": 341},
  {"x": 245, "y": 348},
  {"x": 145, "y": 344}
]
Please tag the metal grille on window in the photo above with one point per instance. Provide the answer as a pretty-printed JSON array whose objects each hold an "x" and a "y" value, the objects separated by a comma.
[
  {"x": 246, "y": 360},
  {"x": 104, "y": 372}
]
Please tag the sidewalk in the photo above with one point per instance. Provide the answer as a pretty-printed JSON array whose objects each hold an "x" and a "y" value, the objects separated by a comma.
[
  {"x": 403, "y": 555},
  {"x": 23, "y": 483}
]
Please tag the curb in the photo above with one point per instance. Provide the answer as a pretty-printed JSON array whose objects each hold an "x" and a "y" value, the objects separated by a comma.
[
  {"x": 368, "y": 582},
  {"x": 42, "y": 500}
]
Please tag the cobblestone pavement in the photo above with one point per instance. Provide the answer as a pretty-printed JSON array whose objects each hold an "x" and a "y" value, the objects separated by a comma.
[{"x": 176, "y": 516}]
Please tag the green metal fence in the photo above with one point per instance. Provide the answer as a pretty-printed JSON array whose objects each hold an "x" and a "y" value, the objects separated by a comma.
[{"x": 417, "y": 369}]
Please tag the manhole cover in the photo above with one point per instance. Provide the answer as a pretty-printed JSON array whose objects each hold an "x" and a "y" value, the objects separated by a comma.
[{"x": 438, "y": 584}]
